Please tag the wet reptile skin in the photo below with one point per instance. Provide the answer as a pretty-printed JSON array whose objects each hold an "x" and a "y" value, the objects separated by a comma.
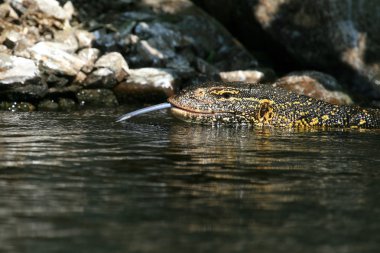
[{"x": 265, "y": 105}]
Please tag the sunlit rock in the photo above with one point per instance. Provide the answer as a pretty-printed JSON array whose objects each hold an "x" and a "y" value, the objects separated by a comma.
[
  {"x": 315, "y": 84},
  {"x": 56, "y": 59},
  {"x": 248, "y": 76},
  {"x": 147, "y": 84}
]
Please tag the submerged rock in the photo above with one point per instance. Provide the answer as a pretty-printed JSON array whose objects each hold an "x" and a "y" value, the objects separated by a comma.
[
  {"x": 17, "y": 106},
  {"x": 96, "y": 97},
  {"x": 315, "y": 84},
  {"x": 48, "y": 105}
]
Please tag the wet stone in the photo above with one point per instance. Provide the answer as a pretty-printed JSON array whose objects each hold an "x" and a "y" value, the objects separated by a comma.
[
  {"x": 17, "y": 106},
  {"x": 48, "y": 105},
  {"x": 96, "y": 98},
  {"x": 147, "y": 84},
  {"x": 66, "y": 104}
]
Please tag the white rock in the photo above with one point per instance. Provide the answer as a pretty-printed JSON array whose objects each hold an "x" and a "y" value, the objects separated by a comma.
[
  {"x": 15, "y": 69},
  {"x": 51, "y": 8},
  {"x": 154, "y": 77},
  {"x": 56, "y": 59},
  {"x": 249, "y": 76},
  {"x": 115, "y": 62}
]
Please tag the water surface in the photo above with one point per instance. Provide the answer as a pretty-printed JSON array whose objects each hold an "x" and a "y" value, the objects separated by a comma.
[{"x": 79, "y": 182}]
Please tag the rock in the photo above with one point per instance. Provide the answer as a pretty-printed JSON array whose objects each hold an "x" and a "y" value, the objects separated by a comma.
[
  {"x": 248, "y": 76},
  {"x": 339, "y": 37},
  {"x": 160, "y": 34},
  {"x": 69, "y": 9},
  {"x": 149, "y": 84},
  {"x": 315, "y": 84},
  {"x": 15, "y": 69},
  {"x": 89, "y": 56},
  {"x": 48, "y": 7},
  {"x": 205, "y": 68},
  {"x": 67, "y": 41},
  {"x": 48, "y": 105},
  {"x": 66, "y": 104},
  {"x": 114, "y": 62},
  {"x": 51, "y": 56},
  {"x": 84, "y": 38},
  {"x": 64, "y": 91},
  {"x": 97, "y": 98},
  {"x": 20, "y": 79},
  {"x": 17, "y": 106},
  {"x": 101, "y": 78}
]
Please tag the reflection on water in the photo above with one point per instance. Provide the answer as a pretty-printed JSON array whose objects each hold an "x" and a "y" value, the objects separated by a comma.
[{"x": 80, "y": 182}]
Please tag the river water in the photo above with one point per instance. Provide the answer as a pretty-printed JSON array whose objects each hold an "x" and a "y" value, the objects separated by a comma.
[{"x": 79, "y": 182}]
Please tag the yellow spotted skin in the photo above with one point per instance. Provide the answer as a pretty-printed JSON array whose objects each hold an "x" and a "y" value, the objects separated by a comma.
[{"x": 265, "y": 105}]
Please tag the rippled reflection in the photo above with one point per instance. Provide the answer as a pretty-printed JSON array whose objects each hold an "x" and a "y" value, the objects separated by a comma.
[{"x": 156, "y": 184}]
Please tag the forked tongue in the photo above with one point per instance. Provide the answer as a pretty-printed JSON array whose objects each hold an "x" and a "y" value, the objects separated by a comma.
[{"x": 144, "y": 110}]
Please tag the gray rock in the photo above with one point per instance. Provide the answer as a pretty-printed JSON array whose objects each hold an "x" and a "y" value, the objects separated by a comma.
[
  {"x": 177, "y": 31},
  {"x": 149, "y": 84},
  {"x": 97, "y": 98},
  {"x": 65, "y": 90},
  {"x": 51, "y": 56},
  {"x": 101, "y": 78},
  {"x": 315, "y": 84},
  {"x": 114, "y": 62}
]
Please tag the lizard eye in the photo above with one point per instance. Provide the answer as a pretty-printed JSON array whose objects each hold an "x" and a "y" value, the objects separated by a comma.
[{"x": 226, "y": 95}]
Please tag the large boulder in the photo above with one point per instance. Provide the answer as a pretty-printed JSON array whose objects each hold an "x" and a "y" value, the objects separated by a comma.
[{"x": 339, "y": 37}]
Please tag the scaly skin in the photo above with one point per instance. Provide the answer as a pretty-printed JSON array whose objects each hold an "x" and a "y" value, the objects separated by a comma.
[{"x": 265, "y": 105}]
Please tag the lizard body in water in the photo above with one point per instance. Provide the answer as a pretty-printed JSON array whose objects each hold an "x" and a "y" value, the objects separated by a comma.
[{"x": 264, "y": 105}]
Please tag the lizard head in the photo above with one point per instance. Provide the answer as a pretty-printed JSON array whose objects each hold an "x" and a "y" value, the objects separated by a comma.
[{"x": 223, "y": 103}]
